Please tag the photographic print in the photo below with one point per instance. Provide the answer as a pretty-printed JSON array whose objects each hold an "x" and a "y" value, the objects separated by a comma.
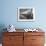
[{"x": 26, "y": 14}]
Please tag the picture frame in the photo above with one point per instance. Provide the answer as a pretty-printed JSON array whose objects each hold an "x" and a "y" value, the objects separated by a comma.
[{"x": 26, "y": 14}]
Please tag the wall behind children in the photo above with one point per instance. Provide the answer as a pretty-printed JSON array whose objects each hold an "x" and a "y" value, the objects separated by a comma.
[{"x": 8, "y": 13}]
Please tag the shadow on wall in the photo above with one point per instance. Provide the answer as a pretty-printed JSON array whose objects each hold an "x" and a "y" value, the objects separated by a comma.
[{"x": 2, "y": 26}]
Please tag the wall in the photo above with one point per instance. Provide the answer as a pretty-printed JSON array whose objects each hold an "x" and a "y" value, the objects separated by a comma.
[{"x": 8, "y": 13}]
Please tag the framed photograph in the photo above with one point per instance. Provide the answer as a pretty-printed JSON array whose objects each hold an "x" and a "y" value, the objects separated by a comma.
[{"x": 26, "y": 14}]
